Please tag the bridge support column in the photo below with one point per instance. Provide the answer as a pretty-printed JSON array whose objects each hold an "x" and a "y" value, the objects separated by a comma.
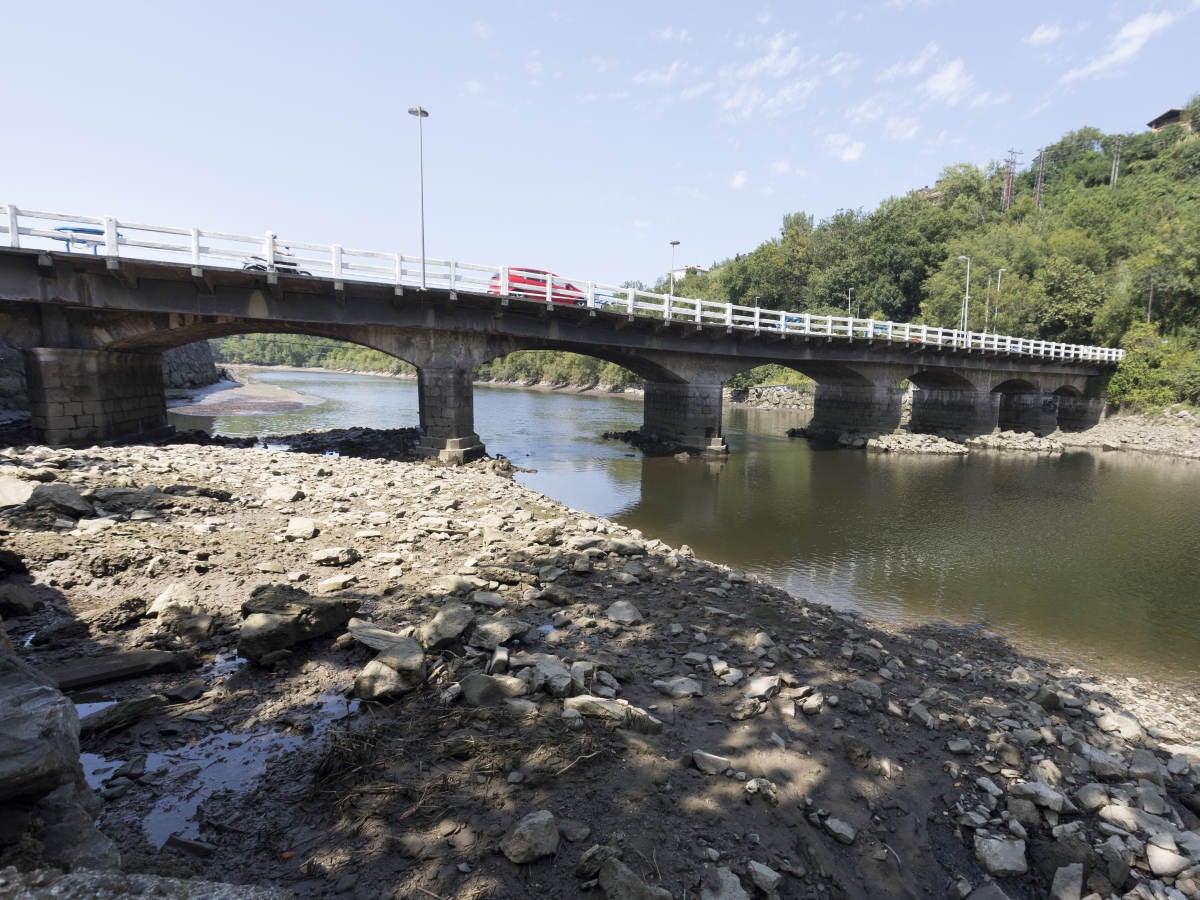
[
  {"x": 447, "y": 405},
  {"x": 1036, "y": 412},
  {"x": 839, "y": 407},
  {"x": 1079, "y": 413},
  {"x": 953, "y": 410},
  {"x": 685, "y": 413},
  {"x": 80, "y": 397}
]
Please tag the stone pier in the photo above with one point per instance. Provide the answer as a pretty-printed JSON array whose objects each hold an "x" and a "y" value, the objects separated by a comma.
[
  {"x": 685, "y": 414},
  {"x": 80, "y": 397},
  {"x": 839, "y": 408},
  {"x": 1036, "y": 412},
  {"x": 964, "y": 411},
  {"x": 446, "y": 401}
]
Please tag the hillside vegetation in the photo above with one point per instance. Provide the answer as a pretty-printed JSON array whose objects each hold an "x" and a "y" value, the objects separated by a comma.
[{"x": 1098, "y": 260}]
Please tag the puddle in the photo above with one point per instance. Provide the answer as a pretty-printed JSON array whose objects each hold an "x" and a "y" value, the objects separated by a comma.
[
  {"x": 222, "y": 664},
  {"x": 86, "y": 709},
  {"x": 225, "y": 761}
]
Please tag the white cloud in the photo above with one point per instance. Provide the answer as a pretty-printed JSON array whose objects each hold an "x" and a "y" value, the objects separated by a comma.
[
  {"x": 844, "y": 147},
  {"x": 679, "y": 35},
  {"x": 901, "y": 129},
  {"x": 472, "y": 87},
  {"x": 951, "y": 83},
  {"x": 914, "y": 66},
  {"x": 669, "y": 75},
  {"x": 696, "y": 91},
  {"x": 534, "y": 67},
  {"x": 778, "y": 62},
  {"x": 905, "y": 4},
  {"x": 1127, "y": 43},
  {"x": 1044, "y": 34},
  {"x": 987, "y": 98},
  {"x": 481, "y": 30},
  {"x": 602, "y": 64},
  {"x": 867, "y": 111},
  {"x": 738, "y": 181},
  {"x": 764, "y": 17},
  {"x": 781, "y": 167}
]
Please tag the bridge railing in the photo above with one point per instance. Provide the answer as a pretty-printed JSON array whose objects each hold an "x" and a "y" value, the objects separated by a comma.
[{"x": 120, "y": 239}]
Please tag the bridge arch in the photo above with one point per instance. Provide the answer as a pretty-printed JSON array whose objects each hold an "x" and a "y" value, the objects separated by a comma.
[{"x": 1024, "y": 407}]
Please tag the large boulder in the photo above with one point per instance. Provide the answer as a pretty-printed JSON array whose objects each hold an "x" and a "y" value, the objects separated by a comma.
[
  {"x": 398, "y": 669},
  {"x": 61, "y": 498},
  {"x": 279, "y": 616}
]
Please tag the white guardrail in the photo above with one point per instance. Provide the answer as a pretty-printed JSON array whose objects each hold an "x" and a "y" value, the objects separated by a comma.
[{"x": 119, "y": 239}]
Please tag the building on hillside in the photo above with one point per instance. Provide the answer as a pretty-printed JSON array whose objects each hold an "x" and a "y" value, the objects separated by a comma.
[
  {"x": 1170, "y": 117},
  {"x": 684, "y": 271}
]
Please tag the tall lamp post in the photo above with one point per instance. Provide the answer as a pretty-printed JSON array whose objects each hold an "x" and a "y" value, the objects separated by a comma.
[
  {"x": 966, "y": 304},
  {"x": 986, "y": 311},
  {"x": 421, "y": 114},
  {"x": 671, "y": 274},
  {"x": 849, "y": 291}
]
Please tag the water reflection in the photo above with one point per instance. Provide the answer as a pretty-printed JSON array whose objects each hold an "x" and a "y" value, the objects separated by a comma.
[{"x": 1086, "y": 555}]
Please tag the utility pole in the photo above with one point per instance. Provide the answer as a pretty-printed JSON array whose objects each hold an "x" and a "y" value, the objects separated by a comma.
[
  {"x": 1040, "y": 180},
  {"x": 1116, "y": 166},
  {"x": 1150, "y": 302},
  {"x": 1010, "y": 172}
]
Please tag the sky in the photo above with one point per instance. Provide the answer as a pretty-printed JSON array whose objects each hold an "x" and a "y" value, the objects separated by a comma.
[{"x": 577, "y": 137}]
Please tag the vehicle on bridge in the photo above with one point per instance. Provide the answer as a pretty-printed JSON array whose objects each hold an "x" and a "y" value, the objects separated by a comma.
[
  {"x": 285, "y": 263},
  {"x": 535, "y": 284}
]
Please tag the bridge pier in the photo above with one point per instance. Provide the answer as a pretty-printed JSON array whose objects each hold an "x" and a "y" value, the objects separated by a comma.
[
  {"x": 963, "y": 411},
  {"x": 446, "y": 400},
  {"x": 684, "y": 413},
  {"x": 840, "y": 407},
  {"x": 1036, "y": 412},
  {"x": 80, "y": 397}
]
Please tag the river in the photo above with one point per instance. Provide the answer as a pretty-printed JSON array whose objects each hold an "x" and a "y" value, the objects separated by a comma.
[{"x": 1081, "y": 557}]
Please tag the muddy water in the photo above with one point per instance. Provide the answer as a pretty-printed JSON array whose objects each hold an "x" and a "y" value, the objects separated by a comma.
[{"x": 1094, "y": 557}]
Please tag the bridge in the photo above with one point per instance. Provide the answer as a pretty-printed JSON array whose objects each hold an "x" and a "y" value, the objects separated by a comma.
[{"x": 92, "y": 302}]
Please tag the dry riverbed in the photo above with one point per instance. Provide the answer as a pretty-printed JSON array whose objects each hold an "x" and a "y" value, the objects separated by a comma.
[{"x": 393, "y": 679}]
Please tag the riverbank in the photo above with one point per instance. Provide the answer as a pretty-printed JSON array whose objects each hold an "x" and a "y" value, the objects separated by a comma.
[{"x": 560, "y": 702}]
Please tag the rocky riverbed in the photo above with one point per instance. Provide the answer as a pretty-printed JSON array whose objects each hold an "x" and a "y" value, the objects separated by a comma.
[{"x": 368, "y": 676}]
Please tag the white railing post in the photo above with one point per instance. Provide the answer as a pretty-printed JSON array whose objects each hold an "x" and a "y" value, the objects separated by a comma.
[
  {"x": 757, "y": 319},
  {"x": 806, "y": 324},
  {"x": 631, "y": 300},
  {"x": 453, "y": 274},
  {"x": 398, "y": 272},
  {"x": 728, "y": 315},
  {"x": 336, "y": 262},
  {"x": 269, "y": 250},
  {"x": 504, "y": 281},
  {"x": 667, "y": 310},
  {"x": 110, "y": 237},
  {"x": 699, "y": 312},
  {"x": 14, "y": 227},
  {"x": 194, "y": 234},
  {"x": 549, "y": 290},
  {"x": 590, "y": 298}
]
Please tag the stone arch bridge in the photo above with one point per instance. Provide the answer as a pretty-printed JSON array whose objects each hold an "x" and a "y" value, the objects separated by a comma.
[{"x": 92, "y": 335}]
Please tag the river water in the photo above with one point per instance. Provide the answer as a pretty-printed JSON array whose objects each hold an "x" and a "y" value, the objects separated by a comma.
[{"x": 1082, "y": 557}]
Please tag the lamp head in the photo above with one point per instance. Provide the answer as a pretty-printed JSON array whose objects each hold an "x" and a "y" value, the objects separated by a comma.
[{"x": 418, "y": 111}]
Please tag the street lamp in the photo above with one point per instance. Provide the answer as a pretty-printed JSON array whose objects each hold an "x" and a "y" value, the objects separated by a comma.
[
  {"x": 966, "y": 305},
  {"x": 421, "y": 113},
  {"x": 849, "y": 291},
  {"x": 999, "y": 275},
  {"x": 671, "y": 274}
]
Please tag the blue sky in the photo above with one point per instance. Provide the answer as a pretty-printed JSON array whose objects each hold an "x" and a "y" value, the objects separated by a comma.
[{"x": 581, "y": 138}]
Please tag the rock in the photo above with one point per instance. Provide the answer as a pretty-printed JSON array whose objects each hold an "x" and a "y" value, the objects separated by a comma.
[
  {"x": 764, "y": 687},
  {"x": 533, "y": 837},
  {"x": 722, "y": 884},
  {"x": 1001, "y": 856},
  {"x": 283, "y": 493},
  {"x": 593, "y": 859},
  {"x": 490, "y": 632},
  {"x": 176, "y": 594},
  {"x": 868, "y": 689},
  {"x": 764, "y": 877},
  {"x": 1165, "y": 863},
  {"x": 15, "y": 491},
  {"x": 482, "y": 690},
  {"x": 95, "y": 883},
  {"x": 1144, "y": 765},
  {"x": 1123, "y": 723},
  {"x": 18, "y": 599},
  {"x": 710, "y": 763},
  {"x": 300, "y": 528},
  {"x": 762, "y": 787},
  {"x": 624, "y": 613},
  {"x": 61, "y": 498},
  {"x": 121, "y": 715},
  {"x": 1068, "y": 883},
  {"x": 555, "y": 677},
  {"x": 398, "y": 669},
  {"x": 1092, "y": 797},
  {"x": 620, "y": 712},
  {"x": 39, "y": 732},
  {"x": 446, "y": 627},
  {"x": 1040, "y": 793},
  {"x": 279, "y": 616},
  {"x": 95, "y": 670},
  {"x": 680, "y": 686},
  {"x": 844, "y": 832},
  {"x": 374, "y": 636},
  {"x": 959, "y": 746},
  {"x": 335, "y": 556},
  {"x": 619, "y": 882}
]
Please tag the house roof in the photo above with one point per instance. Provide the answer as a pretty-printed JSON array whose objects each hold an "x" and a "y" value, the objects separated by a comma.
[{"x": 1170, "y": 117}]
